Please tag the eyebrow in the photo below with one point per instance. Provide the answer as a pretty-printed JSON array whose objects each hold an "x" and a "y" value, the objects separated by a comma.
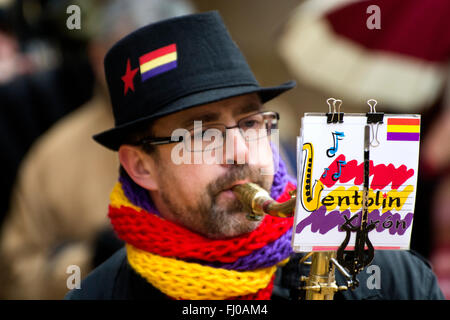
[
  {"x": 205, "y": 117},
  {"x": 247, "y": 108},
  {"x": 215, "y": 116}
]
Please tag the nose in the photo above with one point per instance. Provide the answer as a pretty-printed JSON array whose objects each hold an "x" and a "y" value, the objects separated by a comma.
[{"x": 236, "y": 148}]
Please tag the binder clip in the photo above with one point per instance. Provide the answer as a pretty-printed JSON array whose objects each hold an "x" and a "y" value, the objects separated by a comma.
[
  {"x": 374, "y": 117},
  {"x": 334, "y": 117}
]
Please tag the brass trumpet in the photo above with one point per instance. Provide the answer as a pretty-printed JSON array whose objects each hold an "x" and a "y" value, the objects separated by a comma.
[{"x": 320, "y": 284}]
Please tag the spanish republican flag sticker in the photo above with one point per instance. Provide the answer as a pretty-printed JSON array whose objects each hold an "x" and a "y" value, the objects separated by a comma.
[
  {"x": 158, "y": 61},
  {"x": 403, "y": 129}
]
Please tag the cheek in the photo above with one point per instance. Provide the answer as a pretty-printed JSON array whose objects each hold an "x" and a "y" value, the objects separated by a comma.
[
  {"x": 189, "y": 177},
  {"x": 187, "y": 174},
  {"x": 185, "y": 181}
]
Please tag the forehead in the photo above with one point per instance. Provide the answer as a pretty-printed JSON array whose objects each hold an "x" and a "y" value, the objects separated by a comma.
[{"x": 224, "y": 109}]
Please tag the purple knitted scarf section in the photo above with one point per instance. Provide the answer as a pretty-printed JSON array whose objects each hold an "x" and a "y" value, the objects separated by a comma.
[{"x": 266, "y": 256}]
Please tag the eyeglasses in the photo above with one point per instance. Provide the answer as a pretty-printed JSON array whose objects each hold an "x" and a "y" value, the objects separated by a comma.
[{"x": 210, "y": 137}]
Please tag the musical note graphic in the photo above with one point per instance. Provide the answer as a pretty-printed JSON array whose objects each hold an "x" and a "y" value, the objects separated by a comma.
[
  {"x": 331, "y": 152},
  {"x": 336, "y": 175},
  {"x": 325, "y": 172}
]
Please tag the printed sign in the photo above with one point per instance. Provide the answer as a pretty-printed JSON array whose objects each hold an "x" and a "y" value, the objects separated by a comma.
[{"x": 331, "y": 176}]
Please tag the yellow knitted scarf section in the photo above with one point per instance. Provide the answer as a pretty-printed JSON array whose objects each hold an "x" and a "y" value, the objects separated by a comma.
[
  {"x": 117, "y": 198},
  {"x": 173, "y": 277}
]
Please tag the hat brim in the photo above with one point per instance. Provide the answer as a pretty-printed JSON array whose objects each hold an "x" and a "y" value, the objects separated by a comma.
[{"x": 114, "y": 138}]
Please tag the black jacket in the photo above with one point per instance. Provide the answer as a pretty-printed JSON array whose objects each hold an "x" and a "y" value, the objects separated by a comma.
[{"x": 403, "y": 275}]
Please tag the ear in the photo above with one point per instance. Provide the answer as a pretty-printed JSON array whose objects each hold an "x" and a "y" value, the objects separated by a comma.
[{"x": 139, "y": 166}]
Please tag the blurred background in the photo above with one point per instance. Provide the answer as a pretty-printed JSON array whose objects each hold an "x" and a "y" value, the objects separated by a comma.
[{"x": 56, "y": 180}]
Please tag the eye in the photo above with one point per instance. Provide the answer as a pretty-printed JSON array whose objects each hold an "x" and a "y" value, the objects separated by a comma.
[
  {"x": 254, "y": 122},
  {"x": 250, "y": 123}
]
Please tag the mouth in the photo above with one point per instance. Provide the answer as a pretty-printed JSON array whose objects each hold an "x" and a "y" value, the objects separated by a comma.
[
  {"x": 227, "y": 192},
  {"x": 236, "y": 183}
]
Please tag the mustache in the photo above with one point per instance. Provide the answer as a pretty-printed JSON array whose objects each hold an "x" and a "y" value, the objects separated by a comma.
[{"x": 233, "y": 174}]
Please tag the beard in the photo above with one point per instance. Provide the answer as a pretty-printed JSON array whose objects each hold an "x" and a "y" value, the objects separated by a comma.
[{"x": 209, "y": 214}]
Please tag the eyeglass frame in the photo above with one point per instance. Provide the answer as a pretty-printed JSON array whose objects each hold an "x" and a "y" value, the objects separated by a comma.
[{"x": 155, "y": 141}]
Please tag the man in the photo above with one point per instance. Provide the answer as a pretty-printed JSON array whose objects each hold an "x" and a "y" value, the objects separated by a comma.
[{"x": 187, "y": 236}]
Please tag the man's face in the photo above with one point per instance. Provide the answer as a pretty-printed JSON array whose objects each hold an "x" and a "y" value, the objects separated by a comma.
[{"x": 199, "y": 196}]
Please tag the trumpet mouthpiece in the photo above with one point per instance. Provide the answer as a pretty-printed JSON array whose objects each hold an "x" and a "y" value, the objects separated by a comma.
[{"x": 257, "y": 202}]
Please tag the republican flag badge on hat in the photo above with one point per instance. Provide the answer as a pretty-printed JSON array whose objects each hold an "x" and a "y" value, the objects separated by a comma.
[{"x": 158, "y": 61}]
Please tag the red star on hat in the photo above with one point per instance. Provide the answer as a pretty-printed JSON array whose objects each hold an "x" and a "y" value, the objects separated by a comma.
[{"x": 128, "y": 77}]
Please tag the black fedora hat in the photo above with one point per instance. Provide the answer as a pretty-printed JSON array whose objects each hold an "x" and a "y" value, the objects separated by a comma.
[{"x": 173, "y": 65}]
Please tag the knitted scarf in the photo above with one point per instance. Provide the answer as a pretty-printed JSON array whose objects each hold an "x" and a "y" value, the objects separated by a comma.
[{"x": 186, "y": 265}]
